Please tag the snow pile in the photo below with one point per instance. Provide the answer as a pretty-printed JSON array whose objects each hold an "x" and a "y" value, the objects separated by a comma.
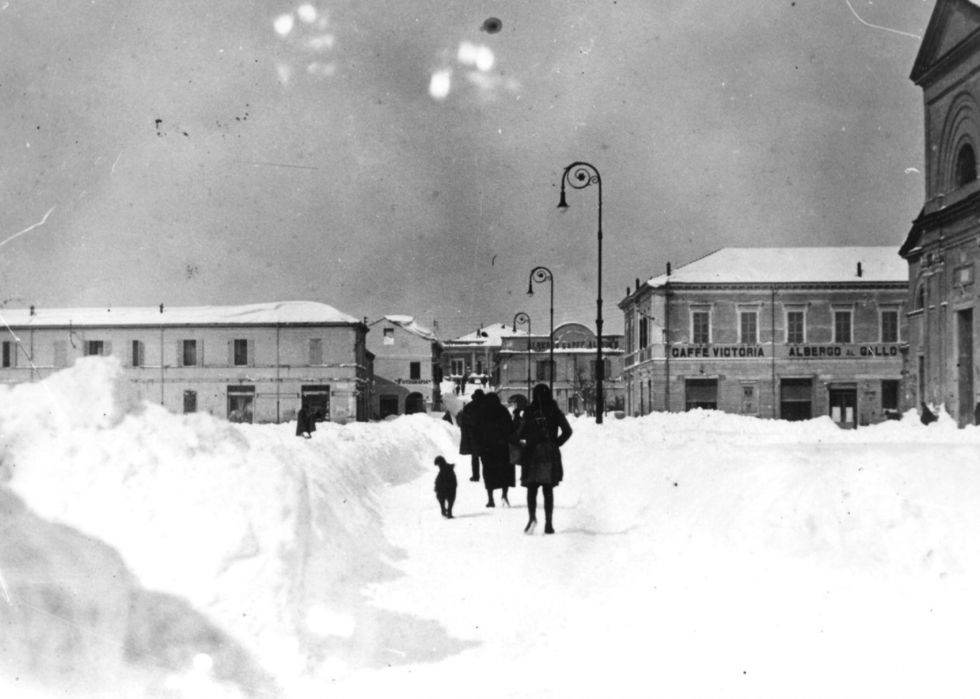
[{"x": 265, "y": 532}]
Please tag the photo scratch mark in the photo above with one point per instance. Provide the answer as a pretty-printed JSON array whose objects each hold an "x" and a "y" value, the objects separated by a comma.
[
  {"x": 116, "y": 162},
  {"x": 298, "y": 167},
  {"x": 875, "y": 26},
  {"x": 29, "y": 228},
  {"x": 3, "y": 584}
]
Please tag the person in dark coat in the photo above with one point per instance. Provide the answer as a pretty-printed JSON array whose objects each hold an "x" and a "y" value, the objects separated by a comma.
[
  {"x": 446, "y": 486},
  {"x": 543, "y": 431},
  {"x": 469, "y": 442},
  {"x": 305, "y": 422},
  {"x": 495, "y": 429}
]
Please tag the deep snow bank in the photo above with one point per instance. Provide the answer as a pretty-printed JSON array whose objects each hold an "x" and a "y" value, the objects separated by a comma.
[{"x": 270, "y": 535}]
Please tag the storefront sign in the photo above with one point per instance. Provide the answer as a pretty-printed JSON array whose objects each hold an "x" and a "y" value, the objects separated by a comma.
[
  {"x": 413, "y": 381},
  {"x": 843, "y": 351},
  {"x": 716, "y": 351}
]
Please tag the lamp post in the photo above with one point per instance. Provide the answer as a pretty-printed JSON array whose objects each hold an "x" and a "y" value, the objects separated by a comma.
[
  {"x": 580, "y": 175},
  {"x": 523, "y": 318},
  {"x": 543, "y": 274}
]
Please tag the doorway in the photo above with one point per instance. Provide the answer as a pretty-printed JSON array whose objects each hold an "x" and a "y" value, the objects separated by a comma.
[
  {"x": 964, "y": 365},
  {"x": 316, "y": 398},
  {"x": 388, "y": 405},
  {"x": 843, "y": 407}
]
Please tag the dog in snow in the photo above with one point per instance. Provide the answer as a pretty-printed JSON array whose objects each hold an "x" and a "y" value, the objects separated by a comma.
[{"x": 446, "y": 486}]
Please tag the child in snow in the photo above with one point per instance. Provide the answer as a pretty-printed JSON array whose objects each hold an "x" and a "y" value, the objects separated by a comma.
[{"x": 446, "y": 487}]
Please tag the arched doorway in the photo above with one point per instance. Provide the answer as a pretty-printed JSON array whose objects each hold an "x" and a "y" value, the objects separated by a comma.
[{"x": 414, "y": 403}]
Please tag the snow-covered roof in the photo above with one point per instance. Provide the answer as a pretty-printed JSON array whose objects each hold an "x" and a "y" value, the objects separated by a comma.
[
  {"x": 489, "y": 336},
  {"x": 791, "y": 266},
  {"x": 408, "y": 323},
  {"x": 284, "y": 312}
]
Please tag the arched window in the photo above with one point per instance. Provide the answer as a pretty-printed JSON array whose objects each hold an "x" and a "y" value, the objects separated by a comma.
[{"x": 966, "y": 165}]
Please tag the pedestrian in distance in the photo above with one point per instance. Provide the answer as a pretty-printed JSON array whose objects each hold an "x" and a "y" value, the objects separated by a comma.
[
  {"x": 469, "y": 440},
  {"x": 445, "y": 486},
  {"x": 305, "y": 422},
  {"x": 495, "y": 429},
  {"x": 544, "y": 429}
]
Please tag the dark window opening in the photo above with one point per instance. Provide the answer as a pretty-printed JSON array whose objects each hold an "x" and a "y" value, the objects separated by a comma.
[
  {"x": 190, "y": 401},
  {"x": 241, "y": 402},
  {"x": 241, "y": 352},
  {"x": 8, "y": 354},
  {"x": 796, "y": 399},
  {"x": 94, "y": 348},
  {"x": 889, "y": 396},
  {"x": 701, "y": 393},
  {"x": 889, "y": 326},
  {"x": 415, "y": 370},
  {"x": 189, "y": 355},
  {"x": 137, "y": 353},
  {"x": 966, "y": 165}
]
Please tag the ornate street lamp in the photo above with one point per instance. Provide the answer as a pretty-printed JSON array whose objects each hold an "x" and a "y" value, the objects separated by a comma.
[
  {"x": 580, "y": 175},
  {"x": 523, "y": 318},
  {"x": 543, "y": 274}
]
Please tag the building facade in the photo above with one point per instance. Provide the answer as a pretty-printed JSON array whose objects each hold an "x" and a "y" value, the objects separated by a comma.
[
  {"x": 943, "y": 246},
  {"x": 789, "y": 333},
  {"x": 407, "y": 369},
  {"x": 475, "y": 357},
  {"x": 255, "y": 363},
  {"x": 524, "y": 361}
]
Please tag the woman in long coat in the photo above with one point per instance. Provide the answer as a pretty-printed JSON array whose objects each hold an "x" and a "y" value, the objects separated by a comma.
[
  {"x": 495, "y": 429},
  {"x": 543, "y": 430},
  {"x": 468, "y": 420}
]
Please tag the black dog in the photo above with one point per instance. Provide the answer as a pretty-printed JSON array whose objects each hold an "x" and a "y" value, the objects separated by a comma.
[{"x": 446, "y": 486}]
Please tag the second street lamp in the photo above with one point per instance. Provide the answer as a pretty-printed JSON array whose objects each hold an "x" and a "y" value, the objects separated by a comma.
[
  {"x": 580, "y": 175},
  {"x": 523, "y": 318},
  {"x": 543, "y": 274}
]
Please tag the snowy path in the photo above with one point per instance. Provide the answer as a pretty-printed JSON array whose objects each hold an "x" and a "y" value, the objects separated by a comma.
[{"x": 652, "y": 604}]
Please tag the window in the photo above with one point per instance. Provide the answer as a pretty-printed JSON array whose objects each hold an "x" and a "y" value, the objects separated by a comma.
[
  {"x": 187, "y": 352},
  {"x": 138, "y": 358},
  {"x": 456, "y": 367},
  {"x": 389, "y": 336},
  {"x": 644, "y": 333},
  {"x": 889, "y": 395},
  {"x": 96, "y": 348},
  {"x": 966, "y": 165},
  {"x": 700, "y": 327},
  {"x": 701, "y": 393},
  {"x": 842, "y": 327},
  {"x": 606, "y": 368},
  {"x": 796, "y": 399},
  {"x": 545, "y": 370},
  {"x": 240, "y": 352},
  {"x": 316, "y": 352},
  {"x": 795, "y": 327},
  {"x": 415, "y": 370},
  {"x": 190, "y": 401},
  {"x": 889, "y": 326},
  {"x": 749, "y": 327},
  {"x": 9, "y": 355},
  {"x": 920, "y": 298},
  {"x": 241, "y": 402}
]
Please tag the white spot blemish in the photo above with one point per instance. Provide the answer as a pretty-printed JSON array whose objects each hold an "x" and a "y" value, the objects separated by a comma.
[
  {"x": 439, "y": 86},
  {"x": 283, "y": 25}
]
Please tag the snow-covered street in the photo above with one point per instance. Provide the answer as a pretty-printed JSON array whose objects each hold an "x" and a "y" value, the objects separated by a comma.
[{"x": 696, "y": 555}]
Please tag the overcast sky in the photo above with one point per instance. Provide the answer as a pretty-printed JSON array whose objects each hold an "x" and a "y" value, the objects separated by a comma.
[{"x": 401, "y": 157}]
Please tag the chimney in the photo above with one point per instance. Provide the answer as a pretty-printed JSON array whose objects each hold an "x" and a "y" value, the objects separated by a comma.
[
  {"x": 627, "y": 291},
  {"x": 32, "y": 311},
  {"x": 668, "y": 269},
  {"x": 859, "y": 269},
  {"x": 161, "y": 308},
  {"x": 637, "y": 283}
]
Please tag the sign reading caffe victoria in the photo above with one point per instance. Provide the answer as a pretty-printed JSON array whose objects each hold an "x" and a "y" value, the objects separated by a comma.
[{"x": 784, "y": 352}]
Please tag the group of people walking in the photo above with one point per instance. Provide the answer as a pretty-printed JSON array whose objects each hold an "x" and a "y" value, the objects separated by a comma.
[{"x": 531, "y": 439}]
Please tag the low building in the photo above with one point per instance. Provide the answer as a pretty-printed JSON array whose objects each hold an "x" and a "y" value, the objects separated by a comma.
[
  {"x": 788, "y": 333},
  {"x": 254, "y": 363},
  {"x": 526, "y": 360},
  {"x": 406, "y": 367},
  {"x": 474, "y": 358}
]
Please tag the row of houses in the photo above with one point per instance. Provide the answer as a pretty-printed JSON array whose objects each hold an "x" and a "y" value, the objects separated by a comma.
[{"x": 771, "y": 332}]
